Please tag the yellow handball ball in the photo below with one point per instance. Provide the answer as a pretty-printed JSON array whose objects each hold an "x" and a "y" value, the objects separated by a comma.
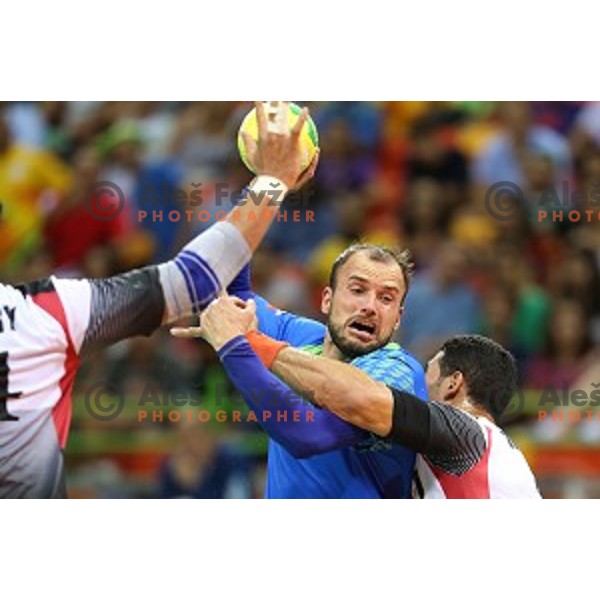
[{"x": 309, "y": 138}]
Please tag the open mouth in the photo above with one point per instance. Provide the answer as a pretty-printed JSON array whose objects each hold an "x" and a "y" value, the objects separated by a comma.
[{"x": 363, "y": 330}]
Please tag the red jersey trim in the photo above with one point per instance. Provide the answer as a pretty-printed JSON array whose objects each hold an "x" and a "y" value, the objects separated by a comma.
[
  {"x": 474, "y": 484},
  {"x": 62, "y": 411}
]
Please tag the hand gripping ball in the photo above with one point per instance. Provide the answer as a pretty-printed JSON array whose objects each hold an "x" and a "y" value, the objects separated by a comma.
[{"x": 276, "y": 115}]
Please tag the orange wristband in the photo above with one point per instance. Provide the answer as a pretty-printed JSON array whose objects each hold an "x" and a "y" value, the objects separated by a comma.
[{"x": 265, "y": 347}]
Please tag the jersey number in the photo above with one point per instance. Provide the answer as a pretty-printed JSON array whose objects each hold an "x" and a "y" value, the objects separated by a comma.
[{"x": 4, "y": 394}]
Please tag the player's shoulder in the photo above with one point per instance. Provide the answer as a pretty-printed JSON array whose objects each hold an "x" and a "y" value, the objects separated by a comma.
[
  {"x": 392, "y": 366},
  {"x": 8, "y": 291},
  {"x": 21, "y": 292},
  {"x": 394, "y": 351},
  {"x": 286, "y": 326},
  {"x": 316, "y": 349},
  {"x": 395, "y": 367},
  {"x": 62, "y": 288}
]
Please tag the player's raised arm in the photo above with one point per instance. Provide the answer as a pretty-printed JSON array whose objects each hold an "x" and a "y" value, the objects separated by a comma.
[
  {"x": 277, "y": 160},
  {"x": 137, "y": 302},
  {"x": 210, "y": 263},
  {"x": 268, "y": 159}
]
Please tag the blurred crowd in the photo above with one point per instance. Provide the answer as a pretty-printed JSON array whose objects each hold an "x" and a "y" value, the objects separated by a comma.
[{"x": 522, "y": 267}]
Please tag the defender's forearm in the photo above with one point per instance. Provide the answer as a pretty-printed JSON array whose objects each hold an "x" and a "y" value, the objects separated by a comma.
[
  {"x": 341, "y": 388},
  {"x": 255, "y": 213},
  {"x": 211, "y": 261}
]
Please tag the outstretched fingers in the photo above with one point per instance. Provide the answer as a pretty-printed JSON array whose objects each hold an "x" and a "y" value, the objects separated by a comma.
[
  {"x": 297, "y": 129},
  {"x": 187, "y": 332},
  {"x": 310, "y": 171},
  {"x": 261, "y": 117}
]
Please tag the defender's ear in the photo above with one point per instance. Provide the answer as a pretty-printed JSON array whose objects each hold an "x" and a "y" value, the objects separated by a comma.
[{"x": 456, "y": 383}]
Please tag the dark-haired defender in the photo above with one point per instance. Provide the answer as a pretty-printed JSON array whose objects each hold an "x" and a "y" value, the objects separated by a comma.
[{"x": 462, "y": 451}]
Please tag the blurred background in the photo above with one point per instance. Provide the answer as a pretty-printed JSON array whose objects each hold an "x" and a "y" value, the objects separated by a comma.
[{"x": 413, "y": 174}]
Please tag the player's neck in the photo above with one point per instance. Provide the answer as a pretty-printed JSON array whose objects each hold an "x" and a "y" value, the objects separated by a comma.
[
  {"x": 330, "y": 350},
  {"x": 468, "y": 406}
]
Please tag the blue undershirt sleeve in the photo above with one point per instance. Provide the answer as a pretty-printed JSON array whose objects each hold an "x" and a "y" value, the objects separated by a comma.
[
  {"x": 301, "y": 428},
  {"x": 278, "y": 324}
]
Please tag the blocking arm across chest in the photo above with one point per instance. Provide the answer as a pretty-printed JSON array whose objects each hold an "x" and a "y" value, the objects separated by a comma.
[
  {"x": 301, "y": 428},
  {"x": 448, "y": 436}
]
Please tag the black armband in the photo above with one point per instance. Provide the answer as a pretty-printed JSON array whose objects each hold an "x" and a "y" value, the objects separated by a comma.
[
  {"x": 451, "y": 439},
  {"x": 411, "y": 421}
]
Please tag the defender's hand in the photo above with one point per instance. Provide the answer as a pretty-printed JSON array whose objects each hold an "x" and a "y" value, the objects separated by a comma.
[
  {"x": 278, "y": 152},
  {"x": 226, "y": 318}
]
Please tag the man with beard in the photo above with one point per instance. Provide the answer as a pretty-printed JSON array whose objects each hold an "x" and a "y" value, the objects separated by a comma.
[
  {"x": 463, "y": 453},
  {"x": 313, "y": 453}
]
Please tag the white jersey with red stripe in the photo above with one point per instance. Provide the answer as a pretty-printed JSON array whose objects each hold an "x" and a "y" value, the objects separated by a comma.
[
  {"x": 500, "y": 472},
  {"x": 41, "y": 335},
  {"x": 44, "y": 329},
  {"x": 47, "y": 326}
]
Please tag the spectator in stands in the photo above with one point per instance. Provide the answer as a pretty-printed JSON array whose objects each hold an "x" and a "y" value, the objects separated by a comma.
[
  {"x": 204, "y": 138},
  {"x": 568, "y": 349},
  {"x": 147, "y": 186},
  {"x": 504, "y": 157},
  {"x": 32, "y": 182},
  {"x": 440, "y": 304},
  {"x": 425, "y": 220},
  {"x": 72, "y": 231},
  {"x": 532, "y": 302},
  {"x": 345, "y": 163},
  {"x": 577, "y": 277},
  {"x": 498, "y": 317},
  {"x": 431, "y": 158},
  {"x": 204, "y": 467}
]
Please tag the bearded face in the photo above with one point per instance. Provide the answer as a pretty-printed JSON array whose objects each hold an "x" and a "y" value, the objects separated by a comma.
[{"x": 364, "y": 308}]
